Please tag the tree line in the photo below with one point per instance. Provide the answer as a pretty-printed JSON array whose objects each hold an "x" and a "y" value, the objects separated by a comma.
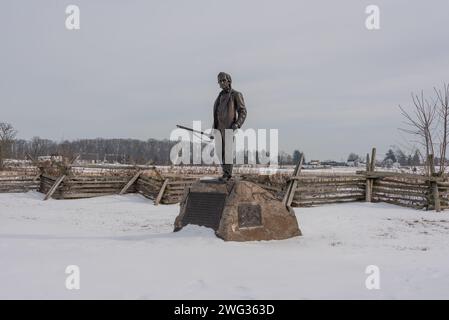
[
  {"x": 129, "y": 151},
  {"x": 125, "y": 151}
]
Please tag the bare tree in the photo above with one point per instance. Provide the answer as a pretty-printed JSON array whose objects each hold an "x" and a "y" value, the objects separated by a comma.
[
  {"x": 7, "y": 136},
  {"x": 37, "y": 147},
  {"x": 442, "y": 98},
  {"x": 420, "y": 123}
]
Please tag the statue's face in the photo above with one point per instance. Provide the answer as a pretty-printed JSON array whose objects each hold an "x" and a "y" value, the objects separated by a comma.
[{"x": 224, "y": 83}]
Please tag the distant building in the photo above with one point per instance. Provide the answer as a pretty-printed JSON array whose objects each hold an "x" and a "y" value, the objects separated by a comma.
[
  {"x": 352, "y": 163},
  {"x": 333, "y": 163},
  {"x": 314, "y": 162}
]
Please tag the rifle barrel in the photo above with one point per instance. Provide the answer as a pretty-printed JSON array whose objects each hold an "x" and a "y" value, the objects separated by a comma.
[{"x": 190, "y": 129}]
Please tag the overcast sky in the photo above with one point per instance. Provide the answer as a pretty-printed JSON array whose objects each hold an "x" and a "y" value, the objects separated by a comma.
[{"x": 135, "y": 69}]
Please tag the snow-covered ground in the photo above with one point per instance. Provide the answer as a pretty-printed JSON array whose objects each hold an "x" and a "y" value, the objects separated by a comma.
[{"x": 124, "y": 248}]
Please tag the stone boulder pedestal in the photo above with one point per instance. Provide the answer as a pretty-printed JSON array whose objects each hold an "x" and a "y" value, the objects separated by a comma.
[{"x": 237, "y": 211}]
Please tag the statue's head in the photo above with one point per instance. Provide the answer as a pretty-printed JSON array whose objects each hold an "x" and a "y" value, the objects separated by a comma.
[{"x": 224, "y": 80}]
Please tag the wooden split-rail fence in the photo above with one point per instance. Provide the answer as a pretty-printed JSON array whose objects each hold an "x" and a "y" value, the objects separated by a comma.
[
  {"x": 408, "y": 190},
  {"x": 301, "y": 189}
]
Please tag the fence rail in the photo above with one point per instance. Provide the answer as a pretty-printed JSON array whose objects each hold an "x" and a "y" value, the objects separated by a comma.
[
  {"x": 9, "y": 184},
  {"x": 410, "y": 190},
  {"x": 78, "y": 187}
]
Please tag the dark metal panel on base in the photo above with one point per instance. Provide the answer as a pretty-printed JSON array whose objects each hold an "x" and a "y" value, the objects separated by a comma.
[{"x": 204, "y": 209}]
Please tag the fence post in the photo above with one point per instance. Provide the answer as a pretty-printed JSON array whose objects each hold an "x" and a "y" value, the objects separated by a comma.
[
  {"x": 131, "y": 182},
  {"x": 434, "y": 185},
  {"x": 370, "y": 166},
  {"x": 436, "y": 196},
  {"x": 368, "y": 181},
  {"x": 161, "y": 193},
  {"x": 54, "y": 187},
  {"x": 292, "y": 184}
]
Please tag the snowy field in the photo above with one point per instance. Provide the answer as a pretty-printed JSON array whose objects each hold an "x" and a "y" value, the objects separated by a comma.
[{"x": 125, "y": 249}]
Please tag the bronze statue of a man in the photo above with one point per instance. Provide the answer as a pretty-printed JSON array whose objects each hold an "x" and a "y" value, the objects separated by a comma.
[{"x": 229, "y": 113}]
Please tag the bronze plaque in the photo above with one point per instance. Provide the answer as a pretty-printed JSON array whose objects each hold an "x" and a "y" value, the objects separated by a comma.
[
  {"x": 250, "y": 215},
  {"x": 204, "y": 209}
]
